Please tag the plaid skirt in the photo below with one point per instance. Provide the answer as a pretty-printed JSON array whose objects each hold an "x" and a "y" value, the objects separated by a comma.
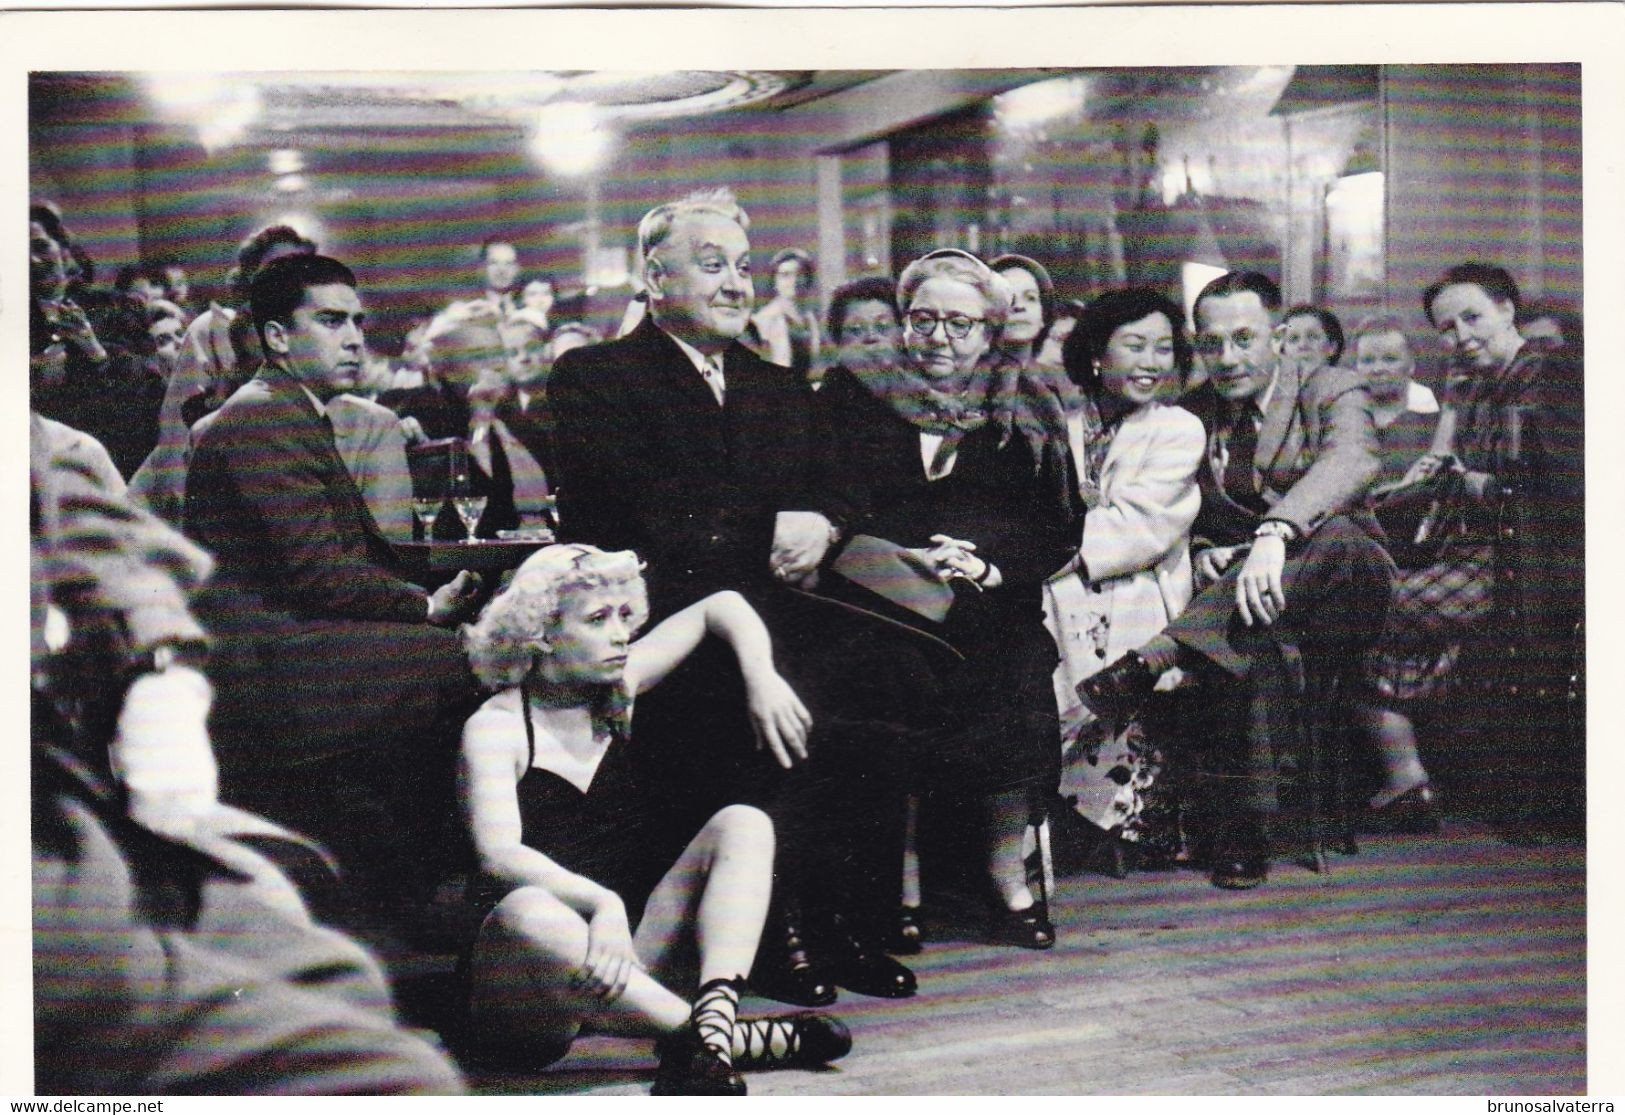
[{"x": 1433, "y": 611}]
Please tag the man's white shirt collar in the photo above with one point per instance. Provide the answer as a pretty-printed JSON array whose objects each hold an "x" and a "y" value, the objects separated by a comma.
[
  {"x": 703, "y": 364},
  {"x": 321, "y": 408},
  {"x": 1261, "y": 401}
]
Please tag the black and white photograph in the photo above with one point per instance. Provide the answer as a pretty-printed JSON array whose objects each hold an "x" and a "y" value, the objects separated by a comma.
[{"x": 815, "y": 551}]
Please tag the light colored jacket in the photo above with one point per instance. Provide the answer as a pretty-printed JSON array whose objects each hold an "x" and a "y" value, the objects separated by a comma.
[{"x": 1135, "y": 550}]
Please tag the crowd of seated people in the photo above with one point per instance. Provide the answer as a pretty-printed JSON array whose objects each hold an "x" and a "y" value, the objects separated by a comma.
[{"x": 942, "y": 556}]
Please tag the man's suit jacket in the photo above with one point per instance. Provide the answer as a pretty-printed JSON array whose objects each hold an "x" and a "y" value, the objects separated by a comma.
[
  {"x": 267, "y": 492},
  {"x": 1317, "y": 456},
  {"x": 649, "y": 462}
]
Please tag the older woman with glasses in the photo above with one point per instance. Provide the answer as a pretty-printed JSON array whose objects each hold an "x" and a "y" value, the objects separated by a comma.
[{"x": 974, "y": 492}]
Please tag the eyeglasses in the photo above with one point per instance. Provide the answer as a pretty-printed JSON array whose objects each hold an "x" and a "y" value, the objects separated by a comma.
[{"x": 958, "y": 326}]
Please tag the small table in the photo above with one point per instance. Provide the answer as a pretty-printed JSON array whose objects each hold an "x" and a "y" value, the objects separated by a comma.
[{"x": 438, "y": 562}]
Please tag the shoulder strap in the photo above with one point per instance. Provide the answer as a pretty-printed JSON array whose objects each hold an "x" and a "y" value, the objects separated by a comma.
[{"x": 530, "y": 729}]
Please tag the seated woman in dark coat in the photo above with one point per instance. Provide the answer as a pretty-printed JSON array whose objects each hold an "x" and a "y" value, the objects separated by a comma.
[
  {"x": 1513, "y": 430},
  {"x": 971, "y": 478},
  {"x": 592, "y": 913}
]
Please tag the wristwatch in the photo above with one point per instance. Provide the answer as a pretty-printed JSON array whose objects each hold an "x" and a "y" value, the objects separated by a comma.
[{"x": 1276, "y": 528}]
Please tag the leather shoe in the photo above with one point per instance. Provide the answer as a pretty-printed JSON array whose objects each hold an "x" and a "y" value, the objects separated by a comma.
[
  {"x": 860, "y": 965},
  {"x": 786, "y": 971},
  {"x": 1241, "y": 860},
  {"x": 1119, "y": 691},
  {"x": 1241, "y": 871},
  {"x": 1414, "y": 811}
]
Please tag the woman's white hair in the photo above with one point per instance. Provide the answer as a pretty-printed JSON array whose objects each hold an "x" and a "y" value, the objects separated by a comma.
[{"x": 951, "y": 263}]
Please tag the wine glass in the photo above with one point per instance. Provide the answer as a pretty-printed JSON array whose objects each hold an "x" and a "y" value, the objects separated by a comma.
[
  {"x": 427, "y": 510},
  {"x": 469, "y": 509}
]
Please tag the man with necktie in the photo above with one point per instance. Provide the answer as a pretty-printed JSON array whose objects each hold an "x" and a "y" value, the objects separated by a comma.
[
  {"x": 680, "y": 443},
  {"x": 340, "y": 677},
  {"x": 1290, "y": 553}
]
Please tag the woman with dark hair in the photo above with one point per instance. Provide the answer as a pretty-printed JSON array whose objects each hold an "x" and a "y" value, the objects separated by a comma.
[
  {"x": 1032, "y": 306},
  {"x": 1513, "y": 455},
  {"x": 1311, "y": 336},
  {"x": 864, "y": 324},
  {"x": 785, "y": 332},
  {"x": 1132, "y": 572},
  {"x": 971, "y": 487}
]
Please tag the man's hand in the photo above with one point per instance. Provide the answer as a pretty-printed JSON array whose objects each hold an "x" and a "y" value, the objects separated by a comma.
[
  {"x": 160, "y": 751},
  {"x": 1427, "y": 466},
  {"x": 800, "y": 541},
  {"x": 777, "y": 716},
  {"x": 610, "y": 959},
  {"x": 1211, "y": 563},
  {"x": 1259, "y": 596},
  {"x": 451, "y": 604},
  {"x": 412, "y": 430}
]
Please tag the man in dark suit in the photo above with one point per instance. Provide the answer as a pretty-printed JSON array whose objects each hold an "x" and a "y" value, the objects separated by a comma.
[
  {"x": 678, "y": 442},
  {"x": 1283, "y": 538},
  {"x": 340, "y": 677}
]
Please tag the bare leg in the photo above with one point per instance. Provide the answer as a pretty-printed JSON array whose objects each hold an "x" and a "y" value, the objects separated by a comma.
[
  {"x": 719, "y": 886},
  {"x": 528, "y": 951},
  {"x": 911, "y": 855},
  {"x": 1008, "y": 814},
  {"x": 1395, "y": 738}
]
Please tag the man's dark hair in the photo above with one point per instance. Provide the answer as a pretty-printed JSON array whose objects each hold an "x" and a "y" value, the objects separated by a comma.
[
  {"x": 1110, "y": 311},
  {"x": 252, "y": 252},
  {"x": 1492, "y": 280},
  {"x": 873, "y": 288},
  {"x": 279, "y": 288},
  {"x": 1241, "y": 282},
  {"x": 1328, "y": 322}
]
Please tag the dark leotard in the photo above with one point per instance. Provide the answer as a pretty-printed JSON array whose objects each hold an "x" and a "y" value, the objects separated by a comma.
[{"x": 606, "y": 833}]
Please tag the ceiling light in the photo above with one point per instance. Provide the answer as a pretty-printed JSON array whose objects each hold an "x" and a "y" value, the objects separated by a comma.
[
  {"x": 571, "y": 138},
  {"x": 221, "y": 109},
  {"x": 1034, "y": 105},
  {"x": 285, "y": 160}
]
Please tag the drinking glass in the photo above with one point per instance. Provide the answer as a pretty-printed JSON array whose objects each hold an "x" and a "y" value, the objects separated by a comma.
[
  {"x": 469, "y": 509},
  {"x": 427, "y": 511}
]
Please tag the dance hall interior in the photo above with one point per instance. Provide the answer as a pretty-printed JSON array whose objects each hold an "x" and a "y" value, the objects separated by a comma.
[{"x": 906, "y": 582}]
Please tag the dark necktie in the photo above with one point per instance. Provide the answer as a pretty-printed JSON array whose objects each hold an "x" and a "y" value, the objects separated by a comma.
[
  {"x": 1238, "y": 469},
  {"x": 500, "y": 513}
]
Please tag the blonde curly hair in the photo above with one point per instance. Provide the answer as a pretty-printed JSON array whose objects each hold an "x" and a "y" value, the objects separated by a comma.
[{"x": 503, "y": 643}]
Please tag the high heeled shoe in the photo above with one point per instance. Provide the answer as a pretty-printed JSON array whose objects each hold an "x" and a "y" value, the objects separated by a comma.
[
  {"x": 1027, "y": 929},
  {"x": 1416, "y": 812},
  {"x": 908, "y": 939}
]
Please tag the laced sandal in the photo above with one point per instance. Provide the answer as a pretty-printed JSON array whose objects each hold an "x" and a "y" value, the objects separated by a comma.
[
  {"x": 690, "y": 1068},
  {"x": 790, "y": 1041}
]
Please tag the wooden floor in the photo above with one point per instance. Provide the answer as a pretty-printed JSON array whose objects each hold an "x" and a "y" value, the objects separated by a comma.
[{"x": 1423, "y": 966}]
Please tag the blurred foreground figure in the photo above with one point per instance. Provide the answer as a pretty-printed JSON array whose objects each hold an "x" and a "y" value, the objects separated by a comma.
[{"x": 170, "y": 957}]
